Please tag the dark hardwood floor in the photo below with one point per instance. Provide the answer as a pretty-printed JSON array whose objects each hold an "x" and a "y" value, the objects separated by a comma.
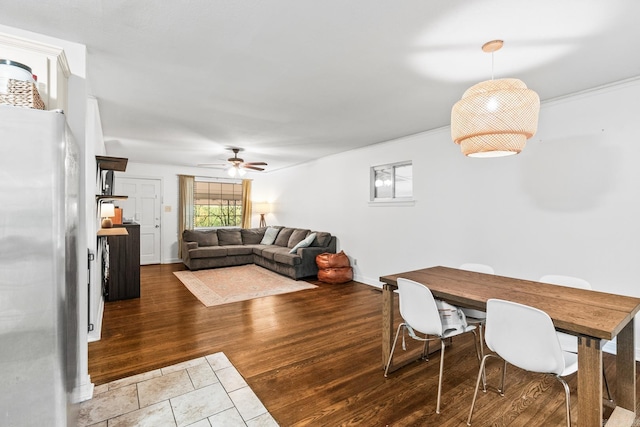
[{"x": 314, "y": 358}]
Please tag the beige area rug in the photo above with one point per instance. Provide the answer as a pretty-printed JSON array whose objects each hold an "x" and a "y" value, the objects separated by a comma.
[{"x": 231, "y": 284}]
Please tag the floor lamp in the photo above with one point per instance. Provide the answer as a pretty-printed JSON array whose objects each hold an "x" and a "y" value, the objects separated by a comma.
[{"x": 263, "y": 209}]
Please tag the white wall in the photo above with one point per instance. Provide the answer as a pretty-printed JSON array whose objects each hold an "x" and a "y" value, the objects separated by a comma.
[
  {"x": 95, "y": 146},
  {"x": 568, "y": 204}
]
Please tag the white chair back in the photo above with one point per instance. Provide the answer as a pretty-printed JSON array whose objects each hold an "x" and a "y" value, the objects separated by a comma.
[
  {"x": 569, "y": 281},
  {"x": 418, "y": 307},
  {"x": 523, "y": 336},
  {"x": 478, "y": 268}
]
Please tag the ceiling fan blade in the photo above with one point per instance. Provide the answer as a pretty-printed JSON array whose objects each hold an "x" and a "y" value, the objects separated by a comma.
[
  {"x": 211, "y": 165},
  {"x": 256, "y": 164},
  {"x": 246, "y": 166}
]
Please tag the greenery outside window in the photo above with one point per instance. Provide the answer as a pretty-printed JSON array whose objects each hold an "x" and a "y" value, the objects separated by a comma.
[
  {"x": 217, "y": 204},
  {"x": 392, "y": 183}
]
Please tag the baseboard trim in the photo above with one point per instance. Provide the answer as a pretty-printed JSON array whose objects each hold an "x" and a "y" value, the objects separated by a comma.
[
  {"x": 367, "y": 281},
  {"x": 83, "y": 391}
]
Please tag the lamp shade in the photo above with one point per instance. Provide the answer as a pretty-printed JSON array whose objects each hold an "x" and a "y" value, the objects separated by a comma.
[
  {"x": 262, "y": 208},
  {"x": 107, "y": 210},
  {"x": 495, "y": 118}
]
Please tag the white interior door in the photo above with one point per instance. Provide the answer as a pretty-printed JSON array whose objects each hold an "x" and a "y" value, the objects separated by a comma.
[{"x": 142, "y": 207}]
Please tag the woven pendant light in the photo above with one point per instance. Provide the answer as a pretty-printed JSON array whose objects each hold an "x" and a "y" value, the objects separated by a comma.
[{"x": 495, "y": 117}]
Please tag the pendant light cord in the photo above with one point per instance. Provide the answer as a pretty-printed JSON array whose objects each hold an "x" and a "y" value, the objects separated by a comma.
[{"x": 492, "y": 65}]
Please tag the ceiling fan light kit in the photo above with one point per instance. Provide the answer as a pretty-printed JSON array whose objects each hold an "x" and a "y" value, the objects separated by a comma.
[
  {"x": 496, "y": 117},
  {"x": 237, "y": 165},
  {"x": 235, "y": 170}
]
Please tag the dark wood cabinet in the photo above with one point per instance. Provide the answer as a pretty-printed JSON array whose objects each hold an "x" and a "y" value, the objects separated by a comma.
[{"x": 122, "y": 274}]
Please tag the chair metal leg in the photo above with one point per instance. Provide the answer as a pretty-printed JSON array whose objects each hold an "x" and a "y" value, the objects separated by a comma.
[
  {"x": 481, "y": 339},
  {"x": 480, "y": 328},
  {"x": 442, "y": 348},
  {"x": 425, "y": 350},
  {"x": 480, "y": 355},
  {"x": 393, "y": 347},
  {"x": 475, "y": 393},
  {"x": 504, "y": 375},
  {"x": 567, "y": 399}
]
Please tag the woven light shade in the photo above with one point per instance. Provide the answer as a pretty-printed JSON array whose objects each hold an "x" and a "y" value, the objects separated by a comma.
[{"x": 495, "y": 118}]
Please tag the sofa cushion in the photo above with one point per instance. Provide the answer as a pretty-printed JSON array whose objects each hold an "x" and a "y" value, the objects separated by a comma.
[
  {"x": 201, "y": 237},
  {"x": 257, "y": 249},
  {"x": 252, "y": 236},
  {"x": 322, "y": 239},
  {"x": 208, "y": 252},
  {"x": 269, "y": 251},
  {"x": 239, "y": 250},
  {"x": 283, "y": 236},
  {"x": 270, "y": 236},
  {"x": 297, "y": 236},
  {"x": 229, "y": 236},
  {"x": 303, "y": 243}
]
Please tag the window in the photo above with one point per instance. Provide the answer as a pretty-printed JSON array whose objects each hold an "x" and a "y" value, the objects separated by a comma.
[
  {"x": 217, "y": 204},
  {"x": 392, "y": 182}
]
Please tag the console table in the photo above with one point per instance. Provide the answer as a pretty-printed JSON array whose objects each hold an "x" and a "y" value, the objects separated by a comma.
[{"x": 122, "y": 272}]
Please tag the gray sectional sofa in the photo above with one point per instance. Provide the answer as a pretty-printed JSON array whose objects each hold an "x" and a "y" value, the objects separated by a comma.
[{"x": 288, "y": 251}]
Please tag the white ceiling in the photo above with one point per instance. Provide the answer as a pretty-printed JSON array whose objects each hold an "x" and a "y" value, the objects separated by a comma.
[{"x": 290, "y": 81}]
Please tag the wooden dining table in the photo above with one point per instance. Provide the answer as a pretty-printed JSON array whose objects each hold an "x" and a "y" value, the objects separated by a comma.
[{"x": 590, "y": 315}]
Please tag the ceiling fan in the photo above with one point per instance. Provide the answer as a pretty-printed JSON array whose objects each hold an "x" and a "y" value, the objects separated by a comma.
[{"x": 238, "y": 165}]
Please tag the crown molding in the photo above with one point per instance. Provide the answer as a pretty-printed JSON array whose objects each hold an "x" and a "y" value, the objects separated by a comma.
[{"x": 39, "y": 48}]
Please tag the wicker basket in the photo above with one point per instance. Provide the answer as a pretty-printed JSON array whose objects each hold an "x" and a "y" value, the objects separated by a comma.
[{"x": 21, "y": 93}]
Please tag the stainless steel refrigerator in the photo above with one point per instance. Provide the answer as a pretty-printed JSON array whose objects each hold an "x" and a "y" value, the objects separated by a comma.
[{"x": 39, "y": 194}]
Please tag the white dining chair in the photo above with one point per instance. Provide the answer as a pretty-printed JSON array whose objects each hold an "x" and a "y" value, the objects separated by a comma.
[
  {"x": 420, "y": 315},
  {"x": 525, "y": 337},
  {"x": 569, "y": 342}
]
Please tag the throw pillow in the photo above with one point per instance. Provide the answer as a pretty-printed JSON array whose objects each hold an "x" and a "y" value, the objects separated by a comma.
[
  {"x": 322, "y": 239},
  {"x": 252, "y": 236},
  {"x": 303, "y": 243},
  {"x": 283, "y": 237},
  {"x": 296, "y": 237},
  {"x": 229, "y": 236},
  {"x": 270, "y": 236}
]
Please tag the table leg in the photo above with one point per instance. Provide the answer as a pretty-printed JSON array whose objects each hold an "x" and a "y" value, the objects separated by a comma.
[
  {"x": 625, "y": 396},
  {"x": 387, "y": 322},
  {"x": 589, "y": 382}
]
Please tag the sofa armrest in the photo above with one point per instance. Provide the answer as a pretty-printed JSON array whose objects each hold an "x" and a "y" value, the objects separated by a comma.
[
  {"x": 186, "y": 246},
  {"x": 310, "y": 252},
  {"x": 308, "y": 259}
]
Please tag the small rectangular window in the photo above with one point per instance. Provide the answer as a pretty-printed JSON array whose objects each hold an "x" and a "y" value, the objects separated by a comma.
[{"x": 392, "y": 182}]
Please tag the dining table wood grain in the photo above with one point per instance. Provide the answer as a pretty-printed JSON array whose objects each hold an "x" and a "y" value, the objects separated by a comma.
[{"x": 591, "y": 315}]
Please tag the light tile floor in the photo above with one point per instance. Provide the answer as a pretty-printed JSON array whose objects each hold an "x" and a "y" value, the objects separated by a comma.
[{"x": 202, "y": 392}]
